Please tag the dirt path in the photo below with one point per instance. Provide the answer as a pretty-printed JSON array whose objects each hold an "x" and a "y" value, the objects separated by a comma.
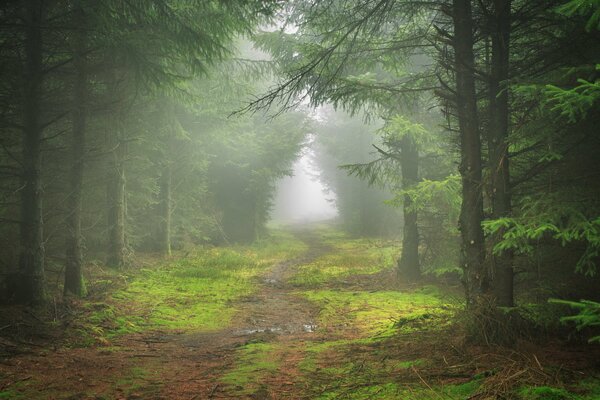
[{"x": 166, "y": 365}]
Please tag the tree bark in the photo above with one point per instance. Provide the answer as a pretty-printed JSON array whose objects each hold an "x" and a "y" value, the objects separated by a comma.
[
  {"x": 502, "y": 264},
  {"x": 74, "y": 258},
  {"x": 164, "y": 212},
  {"x": 471, "y": 213},
  {"x": 30, "y": 285},
  {"x": 408, "y": 265},
  {"x": 116, "y": 198}
]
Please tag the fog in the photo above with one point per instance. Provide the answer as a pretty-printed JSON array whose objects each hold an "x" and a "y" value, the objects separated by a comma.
[{"x": 301, "y": 197}]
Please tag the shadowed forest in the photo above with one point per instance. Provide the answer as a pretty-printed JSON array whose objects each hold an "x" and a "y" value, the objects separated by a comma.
[{"x": 270, "y": 199}]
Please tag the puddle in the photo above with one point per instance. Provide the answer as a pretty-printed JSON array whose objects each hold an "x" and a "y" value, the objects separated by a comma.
[
  {"x": 308, "y": 328},
  {"x": 245, "y": 332}
]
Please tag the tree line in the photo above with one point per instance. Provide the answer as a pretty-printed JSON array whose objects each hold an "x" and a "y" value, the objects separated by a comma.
[{"x": 115, "y": 139}]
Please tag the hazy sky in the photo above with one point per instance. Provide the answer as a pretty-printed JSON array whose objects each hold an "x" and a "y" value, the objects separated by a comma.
[{"x": 302, "y": 197}]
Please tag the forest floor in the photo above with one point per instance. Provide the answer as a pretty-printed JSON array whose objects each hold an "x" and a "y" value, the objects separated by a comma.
[{"x": 307, "y": 314}]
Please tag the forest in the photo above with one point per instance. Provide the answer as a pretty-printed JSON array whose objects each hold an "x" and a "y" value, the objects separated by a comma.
[{"x": 300, "y": 199}]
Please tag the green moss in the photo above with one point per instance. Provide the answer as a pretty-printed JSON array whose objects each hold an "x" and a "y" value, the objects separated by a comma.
[
  {"x": 132, "y": 381},
  {"x": 545, "y": 393},
  {"x": 590, "y": 389},
  {"x": 380, "y": 313},
  {"x": 462, "y": 391},
  {"x": 191, "y": 294},
  {"x": 255, "y": 361},
  {"x": 11, "y": 394},
  {"x": 381, "y": 391},
  {"x": 354, "y": 257}
]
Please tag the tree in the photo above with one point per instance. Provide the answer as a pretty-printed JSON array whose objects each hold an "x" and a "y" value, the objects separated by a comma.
[
  {"x": 73, "y": 277},
  {"x": 475, "y": 277},
  {"x": 30, "y": 286}
]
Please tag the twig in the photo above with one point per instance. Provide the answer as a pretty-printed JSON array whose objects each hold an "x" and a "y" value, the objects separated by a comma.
[
  {"x": 212, "y": 391},
  {"x": 425, "y": 383}
]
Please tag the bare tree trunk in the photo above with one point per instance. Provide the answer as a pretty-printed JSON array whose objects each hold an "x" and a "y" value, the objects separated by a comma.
[
  {"x": 115, "y": 196},
  {"x": 31, "y": 262},
  {"x": 74, "y": 258},
  {"x": 471, "y": 213},
  {"x": 164, "y": 212},
  {"x": 498, "y": 146},
  {"x": 408, "y": 265}
]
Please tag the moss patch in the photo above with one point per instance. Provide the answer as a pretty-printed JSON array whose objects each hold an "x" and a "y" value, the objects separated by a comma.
[
  {"x": 353, "y": 257},
  {"x": 381, "y": 313},
  {"x": 190, "y": 294},
  {"x": 255, "y": 361}
]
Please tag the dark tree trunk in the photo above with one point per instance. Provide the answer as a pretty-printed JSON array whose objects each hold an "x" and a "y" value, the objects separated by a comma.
[
  {"x": 74, "y": 258},
  {"x": 30, "y": 286},
  {"x": 164, "y": 212},
  {"x": 498, "y": 146},
  {"x": 471, "y": 213},
  {"x": 408, "y": 265},
  {"x": 116, "y": 200}
]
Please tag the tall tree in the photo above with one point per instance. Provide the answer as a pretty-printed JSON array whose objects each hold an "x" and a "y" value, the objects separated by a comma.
[
  {"x": 31, "y": 263},
  {"x": 497, "y": 141},
  {"x": 74, "y": 257},
  {"x": 476, "y": 278}
]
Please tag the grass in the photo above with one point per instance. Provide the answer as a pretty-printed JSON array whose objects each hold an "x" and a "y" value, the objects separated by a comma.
[{"x": 195, "y": 293}]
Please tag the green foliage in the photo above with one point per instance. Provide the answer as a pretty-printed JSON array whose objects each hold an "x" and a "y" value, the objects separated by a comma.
[
  {"x": 547, "y": 218},
  {"x": 399, "y": 126},
  {"x": 588, "y": 315},
  {"x": 587, "y": 8},
  {"x": 439, "y": 194},
  {"x": 574, "y": 103}
]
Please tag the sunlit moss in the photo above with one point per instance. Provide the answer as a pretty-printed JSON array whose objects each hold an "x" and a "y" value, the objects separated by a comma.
[
  {"x": 354, "y": 257},
  {"x": 379, "y": 313}
]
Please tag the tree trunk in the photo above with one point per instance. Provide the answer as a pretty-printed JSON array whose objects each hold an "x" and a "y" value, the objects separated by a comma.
[
  {"x": 116, "y": 200},
  {"x": 498, "y": 146},
  {"x": 471, "y": 213},
  {"x": 164, "y": 212},
  {"x": 30, "y": 286},
  {"x": 408, "y": 265},
  {"x": 74, "y": 259}
]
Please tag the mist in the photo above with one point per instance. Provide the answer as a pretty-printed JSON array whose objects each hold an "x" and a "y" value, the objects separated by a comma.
[
  {"x": 302, "y": 197},
  {"x": 269, "y": 199}
]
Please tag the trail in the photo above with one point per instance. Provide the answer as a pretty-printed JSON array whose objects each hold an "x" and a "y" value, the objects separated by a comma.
[{"x": 177, "y": 365}]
